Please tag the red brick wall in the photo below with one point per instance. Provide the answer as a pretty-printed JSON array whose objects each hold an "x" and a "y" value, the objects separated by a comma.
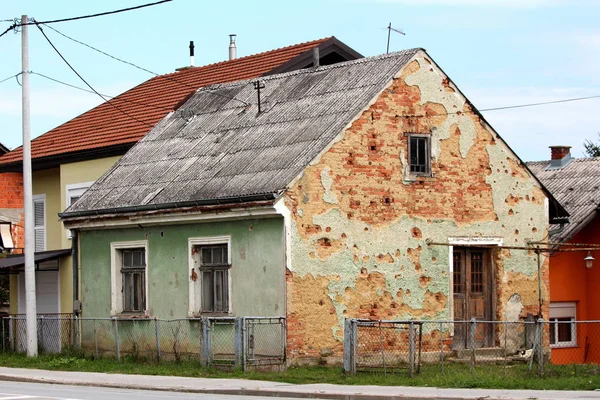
[{"x": 11, "y": 198}]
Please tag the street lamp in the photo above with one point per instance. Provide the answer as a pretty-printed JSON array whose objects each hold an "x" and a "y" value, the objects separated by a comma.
[{"x": 589, "y": 260}]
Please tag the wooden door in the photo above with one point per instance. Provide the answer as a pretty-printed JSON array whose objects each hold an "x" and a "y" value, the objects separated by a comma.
[{"x": 472, "y": 286}]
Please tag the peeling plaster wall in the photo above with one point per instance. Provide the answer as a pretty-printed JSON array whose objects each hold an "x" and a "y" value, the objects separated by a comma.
[{"x": 360, "y": 222}]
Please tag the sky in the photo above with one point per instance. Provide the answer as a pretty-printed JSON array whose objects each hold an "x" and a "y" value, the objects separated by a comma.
[{"x": 498, "y": 52}]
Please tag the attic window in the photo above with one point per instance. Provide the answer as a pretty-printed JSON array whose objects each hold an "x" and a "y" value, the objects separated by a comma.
[{"x": 419, "y": 150}]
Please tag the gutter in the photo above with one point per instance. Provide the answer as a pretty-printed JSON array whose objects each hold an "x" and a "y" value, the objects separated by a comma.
[{"x": 181, "y": 204}]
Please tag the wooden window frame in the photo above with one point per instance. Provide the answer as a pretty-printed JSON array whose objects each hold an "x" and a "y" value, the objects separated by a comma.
[
  {"x": 195, "y": 308},
  {"x": 116, "y": 276},
  {"x": 427, "y": 164}
]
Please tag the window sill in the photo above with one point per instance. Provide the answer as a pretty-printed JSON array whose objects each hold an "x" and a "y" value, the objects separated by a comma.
[
  {"x": 415, "y": 177},
  {"x": 564, "y": 346},
  {"x": 125, "y": 315},
  {"x": 206, "y": 314}
]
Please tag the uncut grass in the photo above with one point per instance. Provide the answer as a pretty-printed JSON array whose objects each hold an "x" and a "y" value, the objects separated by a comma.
[{"x": 517, "y": 376}]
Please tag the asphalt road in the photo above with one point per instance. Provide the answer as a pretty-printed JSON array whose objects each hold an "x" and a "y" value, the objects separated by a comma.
[{"x": 41, "y": 391}]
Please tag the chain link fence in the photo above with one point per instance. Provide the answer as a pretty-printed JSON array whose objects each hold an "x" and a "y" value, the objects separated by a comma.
[
  {"x": 450, "y": 346},
  {"x": 240, "y": 342}
]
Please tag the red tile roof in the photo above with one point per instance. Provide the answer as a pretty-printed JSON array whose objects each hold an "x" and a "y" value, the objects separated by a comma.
[{"x": 143, "y": 106}]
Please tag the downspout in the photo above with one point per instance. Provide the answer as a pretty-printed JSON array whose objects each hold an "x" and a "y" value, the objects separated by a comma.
[
  {"x": 75, "y": 257},
  {"x": 539, "y": 271}
]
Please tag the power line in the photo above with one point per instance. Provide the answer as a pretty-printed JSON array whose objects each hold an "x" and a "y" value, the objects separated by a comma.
[
  {"x": 142, "y": 68},
  {"x": 84, "y": 81},
  {"x": 105, "y": 95},
  {"x": 543, "y": 103},
  {"x": 10, "y": 77},
  {"x": 102, "y": 52},
  {"x": 98, "y": 14}
]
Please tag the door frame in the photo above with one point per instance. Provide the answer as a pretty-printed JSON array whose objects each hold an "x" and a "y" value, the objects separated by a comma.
[{"x": 489, "y": 243}]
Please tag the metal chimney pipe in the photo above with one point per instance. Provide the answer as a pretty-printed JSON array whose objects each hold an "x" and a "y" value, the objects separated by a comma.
[
  {"x": 316, "y": 57},
  {"x": 232, "y": 48},
  {"x": 191, "y": 53}
]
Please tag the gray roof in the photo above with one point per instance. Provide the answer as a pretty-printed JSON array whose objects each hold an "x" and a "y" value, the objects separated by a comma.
[
  {"x": 576, "y": 186},
  {"x": 217, "y": 148}
]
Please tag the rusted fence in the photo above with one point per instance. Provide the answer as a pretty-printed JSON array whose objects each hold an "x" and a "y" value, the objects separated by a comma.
[
  {"x": 408, "y": 346},
  {"x": 241, "y": 342}
]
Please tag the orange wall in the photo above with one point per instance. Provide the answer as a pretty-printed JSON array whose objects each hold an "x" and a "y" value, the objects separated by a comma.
[{"x": 570, "y": 280}]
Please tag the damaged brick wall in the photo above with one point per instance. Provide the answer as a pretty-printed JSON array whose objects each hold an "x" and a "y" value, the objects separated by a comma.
[
  {"x": 360, "y": 221},
  {"x": 11, "y": 205}
]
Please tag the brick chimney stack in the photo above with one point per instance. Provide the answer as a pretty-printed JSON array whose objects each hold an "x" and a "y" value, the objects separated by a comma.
[{"x": 560, "y": 152}]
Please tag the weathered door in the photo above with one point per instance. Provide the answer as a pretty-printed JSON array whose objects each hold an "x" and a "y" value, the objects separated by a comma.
[{"x": 472, "y": 285}]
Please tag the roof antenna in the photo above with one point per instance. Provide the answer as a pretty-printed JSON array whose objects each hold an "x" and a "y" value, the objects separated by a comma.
[
  {"x": 258, "y": 86},
  {"x": 191, "y": 53},
  {"x": 390, "y": 29}
]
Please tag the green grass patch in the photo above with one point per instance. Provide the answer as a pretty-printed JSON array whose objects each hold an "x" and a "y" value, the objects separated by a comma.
[{"x": 515, "y": 376}]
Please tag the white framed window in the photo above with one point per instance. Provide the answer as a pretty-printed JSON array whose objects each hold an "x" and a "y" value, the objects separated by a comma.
[
  {"x": 73, "y": 192},
  {"x": 210, "y": 275},
  {"x": 563, "y": 329},
  {"x": 39, "y": 221},
  {"x": 129, "y": 277}
]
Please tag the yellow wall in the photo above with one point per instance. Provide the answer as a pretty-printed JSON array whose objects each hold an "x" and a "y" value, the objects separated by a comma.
[
  {"x": 80, "y": 172},
  {"x": 53, "y": 183},
  {"x": 48, "y": 182}
]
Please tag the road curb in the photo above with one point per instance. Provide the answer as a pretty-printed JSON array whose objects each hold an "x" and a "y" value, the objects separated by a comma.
[{"x": 242, "y": 391}]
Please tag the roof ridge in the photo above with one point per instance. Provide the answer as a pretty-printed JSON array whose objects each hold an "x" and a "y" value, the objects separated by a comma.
[
  {"x": 244, "y": 58},
  {"x": 311, "y": 70}
]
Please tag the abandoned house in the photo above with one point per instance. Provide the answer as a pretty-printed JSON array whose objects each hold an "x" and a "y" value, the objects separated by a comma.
[{"x": 366, "y": 189}]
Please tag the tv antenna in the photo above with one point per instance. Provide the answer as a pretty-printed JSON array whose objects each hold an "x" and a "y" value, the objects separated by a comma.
[{"x": 390, "y": 29}]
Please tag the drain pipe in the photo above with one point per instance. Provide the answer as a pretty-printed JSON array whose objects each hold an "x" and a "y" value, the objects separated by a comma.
[
  {"x": 539, "y": 271},
  {"x": 75, "y": 263}
]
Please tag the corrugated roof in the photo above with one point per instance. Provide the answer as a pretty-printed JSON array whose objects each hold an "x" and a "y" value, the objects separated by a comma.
[
  {"x": 146, "y": 104},
  {"x": 217, "y": 147},
  {"x": 576, "y": 186}
]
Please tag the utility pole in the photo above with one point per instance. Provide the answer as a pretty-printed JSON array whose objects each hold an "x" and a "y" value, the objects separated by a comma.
[{"x": 30, "y": 298}]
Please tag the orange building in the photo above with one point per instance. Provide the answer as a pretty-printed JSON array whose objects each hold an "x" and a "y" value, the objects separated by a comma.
[{"x": 574, "y": 286}]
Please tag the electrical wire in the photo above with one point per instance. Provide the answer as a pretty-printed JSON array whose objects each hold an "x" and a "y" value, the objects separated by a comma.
[
  {"x": 98, "y": 14},
  {"x": 10, "y": 77},
  {"x": 142, "y": 68},
  {"x": 543, "y": 103},
  {"x": 101, "y": 52},
  {"x": 87, "y": 84},
  {"x": 105, "y": 95},
  {"x": 13, "y": 26}
]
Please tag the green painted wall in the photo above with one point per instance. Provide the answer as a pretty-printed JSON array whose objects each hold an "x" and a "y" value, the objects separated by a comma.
[{"x": 257, "y": 274}]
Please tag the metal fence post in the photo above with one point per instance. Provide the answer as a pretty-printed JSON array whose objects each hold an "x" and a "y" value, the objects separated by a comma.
[
  {"x": 96, "y": 338},
  {"x": 3, "y": 337},
  {"x": 205, "y": 346},
  {"x": 76, "y": 341},
  {"x": 411, "y": 348},
  {"x": 441, "y": 345},
  {"x": 238, "y": 340},
  {"x": 472, "y": 343},
  {"x": 157, "y": 336},
  {"x": 41, "y": 333},
  {"x": 540, "y": 340},
  {"x": 117, "y": 347},
  {"x": 348, "y": 348},
  {"x": 11, "y": 333}
]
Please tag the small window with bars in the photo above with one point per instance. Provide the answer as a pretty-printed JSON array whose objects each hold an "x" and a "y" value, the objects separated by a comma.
[
  {"x": 419, "y": 158},
  {"x": 133, "y": 271},
  {"x": 214, "y": 269}
]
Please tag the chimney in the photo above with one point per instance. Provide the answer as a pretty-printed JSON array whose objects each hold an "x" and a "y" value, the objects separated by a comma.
[
  {"x": 191, "y": 53},
  {"x": 316, "y": 57},
  {"x": 232, "y": 48},
  {"x": 560, "y": 156}
]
